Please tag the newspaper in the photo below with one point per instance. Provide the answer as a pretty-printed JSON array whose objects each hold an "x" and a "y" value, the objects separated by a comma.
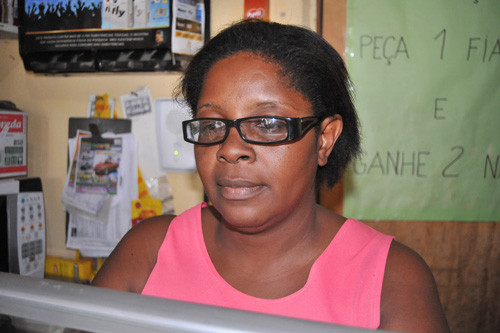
[{"x": 95, "y": 230}]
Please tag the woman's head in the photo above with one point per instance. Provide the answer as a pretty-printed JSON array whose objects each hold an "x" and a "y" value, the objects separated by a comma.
[{"x": 307, "y": 63}]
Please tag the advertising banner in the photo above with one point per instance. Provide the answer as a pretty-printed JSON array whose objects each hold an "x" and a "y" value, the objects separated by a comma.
[
  {"x": 110, "y": 35},
  {"x": 426, "y": 86}
]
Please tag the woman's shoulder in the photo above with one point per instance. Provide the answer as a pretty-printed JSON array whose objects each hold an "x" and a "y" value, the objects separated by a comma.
[
  {"x": 156, "y": 226},
  {"x": 147, "y": 236},
  {"x": 129, "y": 265},
  {"x": 405, "y": 266},
  {"x": 410, "y": 300}
]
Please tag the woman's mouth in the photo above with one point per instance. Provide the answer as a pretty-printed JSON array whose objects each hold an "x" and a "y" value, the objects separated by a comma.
[{"x": 238, "y": 189}]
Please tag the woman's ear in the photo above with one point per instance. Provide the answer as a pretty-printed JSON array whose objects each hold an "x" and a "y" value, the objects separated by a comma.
[{"x": 331, "y": 128}]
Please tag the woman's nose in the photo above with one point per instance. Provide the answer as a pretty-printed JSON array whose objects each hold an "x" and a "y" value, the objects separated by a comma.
[{"x": 234, "y": 149}]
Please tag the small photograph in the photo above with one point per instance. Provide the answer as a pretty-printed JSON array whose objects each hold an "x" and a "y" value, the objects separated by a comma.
[
  {"x": 159, "y": 13},
  {"x": 159, "y": 37},
  {"x": 106, "y": 167}
]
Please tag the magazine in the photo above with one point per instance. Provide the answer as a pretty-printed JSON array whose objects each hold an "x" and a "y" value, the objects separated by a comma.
[{"x": 97, "y": 166}]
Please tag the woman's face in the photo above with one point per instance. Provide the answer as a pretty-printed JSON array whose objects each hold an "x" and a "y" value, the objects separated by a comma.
[{"x": 255, "y": 186}]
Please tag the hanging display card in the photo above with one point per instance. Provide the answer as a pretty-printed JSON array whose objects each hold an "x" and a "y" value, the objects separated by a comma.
[{"x": 426, "y": 83}]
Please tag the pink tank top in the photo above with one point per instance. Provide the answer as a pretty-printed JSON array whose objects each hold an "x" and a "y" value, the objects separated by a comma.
[{"x": 344, "y": 285}]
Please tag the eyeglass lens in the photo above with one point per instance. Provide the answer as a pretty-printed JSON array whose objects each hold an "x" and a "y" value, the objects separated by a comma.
[{"x": 264, "y": 129}]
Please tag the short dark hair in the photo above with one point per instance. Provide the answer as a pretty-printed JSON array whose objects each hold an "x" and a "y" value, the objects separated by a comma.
[{"x": 307, "y": 61}]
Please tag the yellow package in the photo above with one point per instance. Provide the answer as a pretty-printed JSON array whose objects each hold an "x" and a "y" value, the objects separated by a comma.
[
  {"x": 69, "y": 269},
  {"x": 145, "y": 206}
]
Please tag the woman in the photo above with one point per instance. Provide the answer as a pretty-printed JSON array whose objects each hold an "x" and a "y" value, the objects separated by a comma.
[{"x": 272, "y": 121}]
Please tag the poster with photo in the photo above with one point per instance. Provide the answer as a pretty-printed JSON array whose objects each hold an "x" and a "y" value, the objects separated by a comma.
[
  {"x": 57, "y": 25},
  {"x": 103, "y": 35}
]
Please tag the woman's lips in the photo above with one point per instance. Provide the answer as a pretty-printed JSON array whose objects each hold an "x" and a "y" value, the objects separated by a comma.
[{"x": 238, "y": 189}]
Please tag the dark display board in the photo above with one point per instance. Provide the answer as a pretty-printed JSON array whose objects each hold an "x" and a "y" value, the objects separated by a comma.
[{"x": 58, "y": 36}]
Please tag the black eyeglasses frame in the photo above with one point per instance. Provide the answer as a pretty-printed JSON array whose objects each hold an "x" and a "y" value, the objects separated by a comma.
[{"x": 297, "y": 128}]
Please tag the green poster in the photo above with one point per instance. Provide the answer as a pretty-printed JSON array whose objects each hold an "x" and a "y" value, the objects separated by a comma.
[{"x": 426, "y": 78}]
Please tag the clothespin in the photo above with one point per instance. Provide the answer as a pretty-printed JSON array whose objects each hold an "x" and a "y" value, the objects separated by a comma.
[{"x": 94, "y": 130}]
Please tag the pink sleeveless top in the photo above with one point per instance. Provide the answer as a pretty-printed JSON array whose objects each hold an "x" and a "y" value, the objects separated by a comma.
[{"x": 344, "y": 285}]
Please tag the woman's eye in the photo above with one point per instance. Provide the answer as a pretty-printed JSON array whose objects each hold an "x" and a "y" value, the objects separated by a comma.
[
  {"x": 211, "y": 127},
  {"x": 270, "y": 125}
]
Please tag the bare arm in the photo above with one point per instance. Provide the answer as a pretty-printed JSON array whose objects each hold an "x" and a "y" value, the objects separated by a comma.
[
  {"x": 131, "y": 262},
  {"x": 410, "y": 300}
]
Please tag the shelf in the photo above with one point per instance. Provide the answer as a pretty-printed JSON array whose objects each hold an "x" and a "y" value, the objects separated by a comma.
[{"x": 8, "y": 31}]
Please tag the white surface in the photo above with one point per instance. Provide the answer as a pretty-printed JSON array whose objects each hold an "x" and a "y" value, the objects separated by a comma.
[
  {"x": 9, "y": 186},
  {"x": 176, "y": 155},
  {"x": 102, "y": 310}
]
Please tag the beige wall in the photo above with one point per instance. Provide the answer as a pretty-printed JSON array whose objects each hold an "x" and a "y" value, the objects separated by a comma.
[{"x": 51, "y": 100}]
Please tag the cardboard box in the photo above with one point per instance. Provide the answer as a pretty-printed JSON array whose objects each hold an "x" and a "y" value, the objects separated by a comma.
[{"x": 12, "y": 143}]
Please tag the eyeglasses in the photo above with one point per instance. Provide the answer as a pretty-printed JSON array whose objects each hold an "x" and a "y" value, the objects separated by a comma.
[{"x": 257, "y": 130}]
